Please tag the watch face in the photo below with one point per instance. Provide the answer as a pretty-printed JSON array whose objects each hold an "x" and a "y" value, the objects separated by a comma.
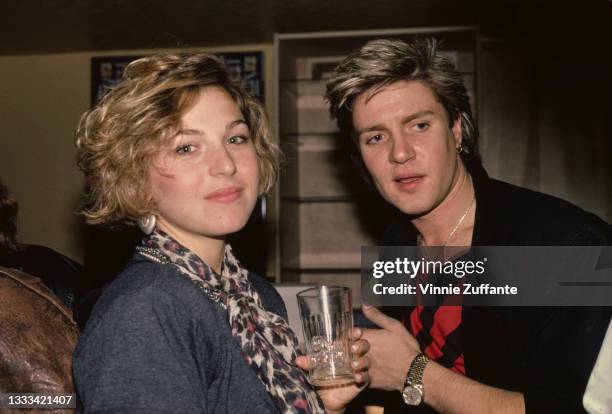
[{"x": 413, "y": 394}]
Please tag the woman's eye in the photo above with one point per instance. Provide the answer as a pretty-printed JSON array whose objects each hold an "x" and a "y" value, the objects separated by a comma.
[
  {"x": 421, "y": 126},
  {"x": 374, "y": 139},
  {"x": 237, "y": 139},
  {"x": 184, "y": 149}
]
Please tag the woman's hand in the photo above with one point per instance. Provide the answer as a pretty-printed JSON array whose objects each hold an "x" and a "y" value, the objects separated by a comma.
[{"x": 336, "y": 398}]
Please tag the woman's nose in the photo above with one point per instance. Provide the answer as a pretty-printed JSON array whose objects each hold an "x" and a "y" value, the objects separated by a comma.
[{"x": 222, "y": 162}]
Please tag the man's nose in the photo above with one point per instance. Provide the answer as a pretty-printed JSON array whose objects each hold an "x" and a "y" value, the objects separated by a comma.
[{"x": 401, "y": 150}]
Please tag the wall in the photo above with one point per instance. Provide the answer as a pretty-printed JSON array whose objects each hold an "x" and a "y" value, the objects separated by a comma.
[
  {"x": 41, "y": 100},
  {"x": 42, "y": 97},
  {"x": 544, "y": 123}
]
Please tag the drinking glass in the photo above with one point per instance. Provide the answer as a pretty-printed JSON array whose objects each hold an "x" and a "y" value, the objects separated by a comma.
[{"x": 327, "y": 319}]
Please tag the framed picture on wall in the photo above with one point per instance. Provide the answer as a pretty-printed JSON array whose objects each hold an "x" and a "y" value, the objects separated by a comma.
[{"x": 244, "y": 67}]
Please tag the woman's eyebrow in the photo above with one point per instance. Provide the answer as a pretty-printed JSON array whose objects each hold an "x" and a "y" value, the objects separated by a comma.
[
  {"x": 191, "y": 131},
  {"x": 235, "y": 123},
  {"x": 196, "y": 131}
]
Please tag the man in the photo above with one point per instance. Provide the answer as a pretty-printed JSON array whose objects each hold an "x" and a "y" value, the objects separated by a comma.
[
  {"x": 407, "y": 113},
  {"x": 59, "y": 273}
]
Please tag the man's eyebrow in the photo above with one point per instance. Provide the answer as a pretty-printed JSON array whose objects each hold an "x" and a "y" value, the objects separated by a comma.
[
  {"x": 370, "y": 129},
  {"x": 407, "y": 119},
  {"x": 417, "y": 114}
]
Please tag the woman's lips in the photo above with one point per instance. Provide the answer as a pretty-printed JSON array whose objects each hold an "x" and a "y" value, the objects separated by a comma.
[
  {"x": 409, "y": 183},
  {"x": 224, "y": 195}
]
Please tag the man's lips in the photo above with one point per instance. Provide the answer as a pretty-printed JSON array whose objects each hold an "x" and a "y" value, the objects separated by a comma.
[
  {"x": 408, "y": 181},
  {"x": 224, "y": 195}
]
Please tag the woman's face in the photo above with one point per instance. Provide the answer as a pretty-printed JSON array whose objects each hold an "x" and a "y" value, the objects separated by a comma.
[{"x": 205, "y": 182}]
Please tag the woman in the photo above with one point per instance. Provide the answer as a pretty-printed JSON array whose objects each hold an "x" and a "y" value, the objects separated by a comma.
[{"x": 181, "y": 150}]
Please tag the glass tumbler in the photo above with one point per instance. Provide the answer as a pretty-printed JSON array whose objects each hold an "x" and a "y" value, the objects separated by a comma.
[{"x": 326, "y": 313}]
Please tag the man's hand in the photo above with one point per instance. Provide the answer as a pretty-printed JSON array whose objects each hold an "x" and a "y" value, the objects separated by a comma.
[
  {"x": 335, "y": 399},
  {"x": 392, "y": 350}
]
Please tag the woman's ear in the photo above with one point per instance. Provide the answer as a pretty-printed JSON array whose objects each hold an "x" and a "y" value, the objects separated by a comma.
[{"x": 456, "y": 129}]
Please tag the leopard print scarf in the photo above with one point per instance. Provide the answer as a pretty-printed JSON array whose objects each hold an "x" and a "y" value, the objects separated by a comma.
[{"x": 267, "y": 343}]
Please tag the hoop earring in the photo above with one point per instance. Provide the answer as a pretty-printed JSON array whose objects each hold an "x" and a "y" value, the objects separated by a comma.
[{"x": 147, "y": 223}]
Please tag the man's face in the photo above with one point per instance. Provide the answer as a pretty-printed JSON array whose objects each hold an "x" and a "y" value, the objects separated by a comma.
[{"x": 407, "y": 145}]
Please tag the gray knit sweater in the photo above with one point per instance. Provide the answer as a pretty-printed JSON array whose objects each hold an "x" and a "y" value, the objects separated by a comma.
[{"x": 155, "y": 343}]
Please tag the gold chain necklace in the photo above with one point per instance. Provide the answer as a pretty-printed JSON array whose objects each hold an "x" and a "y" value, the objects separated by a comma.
[{"x": 452, "y": 233}]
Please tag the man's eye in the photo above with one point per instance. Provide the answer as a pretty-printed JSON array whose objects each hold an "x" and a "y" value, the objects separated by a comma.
[
  {"x": 374, "y": 139},
  {"x": 421, "y": 126},
  {"x": 184, "y": 149},
  {"x": 237, "y": 139}
]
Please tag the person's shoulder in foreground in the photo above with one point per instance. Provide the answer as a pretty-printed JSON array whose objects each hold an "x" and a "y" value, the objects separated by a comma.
[{"x": 155, "y": 342}]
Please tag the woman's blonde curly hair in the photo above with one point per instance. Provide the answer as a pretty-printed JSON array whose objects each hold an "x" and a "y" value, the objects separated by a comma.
[{"x": 117, "y": 139}]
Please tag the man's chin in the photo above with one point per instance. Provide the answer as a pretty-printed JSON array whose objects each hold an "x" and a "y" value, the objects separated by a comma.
[
  {"x": 413, "y": 210},
  {"x": 413, "y": 216}
]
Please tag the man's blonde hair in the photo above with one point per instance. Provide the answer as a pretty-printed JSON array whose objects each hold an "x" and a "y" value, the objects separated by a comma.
[
  {"x": 118, "y": 138},
  {"x": 382, "y": 62}
]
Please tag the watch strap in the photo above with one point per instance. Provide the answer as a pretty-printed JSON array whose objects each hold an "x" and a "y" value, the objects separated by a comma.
[{"x": 416, "y": 370}]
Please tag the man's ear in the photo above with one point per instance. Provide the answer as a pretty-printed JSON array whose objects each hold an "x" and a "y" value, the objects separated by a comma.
[{"x": 457, "y": 130}]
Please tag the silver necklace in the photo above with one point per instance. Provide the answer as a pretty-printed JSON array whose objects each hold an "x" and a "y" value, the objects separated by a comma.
[
  {"x": 158, "y": 256},
  {"x": 153, "y": 254},
  {"x": 452, "y": 233}
]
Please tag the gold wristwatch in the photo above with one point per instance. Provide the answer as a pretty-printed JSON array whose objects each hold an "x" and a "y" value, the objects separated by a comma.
[{"x": 413, "y": 387}]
